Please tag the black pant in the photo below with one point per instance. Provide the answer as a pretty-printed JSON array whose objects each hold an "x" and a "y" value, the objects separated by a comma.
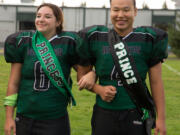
[
  {"x": 112, "y": 122},
  {"x": 28, "y": 126}
]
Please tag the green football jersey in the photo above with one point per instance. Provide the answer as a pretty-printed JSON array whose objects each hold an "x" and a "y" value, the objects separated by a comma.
[
  {"x": 147, "y": 45},
  {"x": 38, "y": 98}
]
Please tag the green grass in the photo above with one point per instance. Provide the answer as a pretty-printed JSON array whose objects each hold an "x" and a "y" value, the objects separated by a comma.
[
  {"x": 172, "y": 87},
  {"x": 4, "y": 74},
  {"x": 80, "y": 115}
]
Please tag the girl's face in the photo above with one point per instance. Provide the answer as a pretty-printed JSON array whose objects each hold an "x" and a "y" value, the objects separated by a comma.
[{"x": 46, "y": 22}]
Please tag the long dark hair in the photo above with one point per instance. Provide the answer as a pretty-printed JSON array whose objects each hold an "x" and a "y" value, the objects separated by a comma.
[{"x": 57, "y": 13}]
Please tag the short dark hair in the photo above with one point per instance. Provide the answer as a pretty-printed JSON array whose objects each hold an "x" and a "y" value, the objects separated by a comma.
[
  {"x": 134, "y": 1},
  {"x": 57, "y": 13}
]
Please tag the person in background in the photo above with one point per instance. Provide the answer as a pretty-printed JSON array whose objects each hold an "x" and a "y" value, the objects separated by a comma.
[
  {"x": 114, "y": 112},
  {"x": 40, "y": 83}
]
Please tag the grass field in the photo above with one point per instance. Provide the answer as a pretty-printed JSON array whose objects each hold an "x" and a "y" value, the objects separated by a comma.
[{"x": 81, "y": 114}]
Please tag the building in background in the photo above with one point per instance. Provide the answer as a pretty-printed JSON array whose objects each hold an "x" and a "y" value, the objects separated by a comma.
[
  {"x": 27, "y": 1},
  {"x": 16, "y": 17}
]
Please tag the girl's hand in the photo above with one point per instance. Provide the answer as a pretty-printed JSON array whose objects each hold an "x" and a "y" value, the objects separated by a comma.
[{"x": 87, "y": 81}]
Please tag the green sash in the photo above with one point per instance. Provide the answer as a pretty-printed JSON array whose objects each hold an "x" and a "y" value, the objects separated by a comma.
[{"x": 51, "y": 65}]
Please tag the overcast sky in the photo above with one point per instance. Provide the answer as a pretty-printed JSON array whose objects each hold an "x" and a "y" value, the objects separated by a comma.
[{"x": 153, "y": 4}]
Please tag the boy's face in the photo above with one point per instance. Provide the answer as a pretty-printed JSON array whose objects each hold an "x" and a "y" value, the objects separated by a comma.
[{"x": 122, "y": 16}]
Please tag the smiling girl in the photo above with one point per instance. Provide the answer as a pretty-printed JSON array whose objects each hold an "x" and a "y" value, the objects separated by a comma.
[{"x": 40, "y": 82}]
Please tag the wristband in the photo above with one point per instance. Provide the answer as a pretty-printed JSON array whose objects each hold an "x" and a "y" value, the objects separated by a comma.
[{"x": 10, "y": 100}]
